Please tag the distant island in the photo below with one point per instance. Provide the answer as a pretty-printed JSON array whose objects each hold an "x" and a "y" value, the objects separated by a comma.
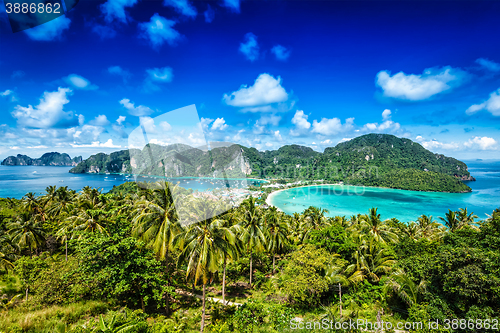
[
  {"x": 379, "y": 160},
  {"x": 47, "y": 159}
]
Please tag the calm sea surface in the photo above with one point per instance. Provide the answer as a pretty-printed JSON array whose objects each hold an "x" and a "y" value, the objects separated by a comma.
[
  {"x": 403, "y": 205},
  {"x": 16, "y": 181}
]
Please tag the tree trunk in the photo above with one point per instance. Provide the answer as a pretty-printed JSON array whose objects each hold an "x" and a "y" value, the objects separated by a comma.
[
  {"x": 167, "y": 297},
  {"x": 250, "y": 269},
  {"x": 26, "y": 294},
  {"x": 224, "y": 283},
  {"x": 274, "y": 260},
  {"x": 203, "y": 311},
  {"x": 66, "y": 248}
]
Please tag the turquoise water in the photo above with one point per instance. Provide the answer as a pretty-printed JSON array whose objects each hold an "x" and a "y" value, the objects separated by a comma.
[
  {"x": 403, "y": 205},
  {"x": 16, "y": 181}
]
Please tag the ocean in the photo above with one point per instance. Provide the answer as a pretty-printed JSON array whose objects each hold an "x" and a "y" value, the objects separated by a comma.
[{"x": 404, "y": 205}]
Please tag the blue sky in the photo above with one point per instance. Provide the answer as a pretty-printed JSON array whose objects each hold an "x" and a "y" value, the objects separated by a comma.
[{"x": 260, "y": 73}]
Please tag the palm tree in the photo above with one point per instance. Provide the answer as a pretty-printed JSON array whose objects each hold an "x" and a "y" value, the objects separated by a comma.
[
  {"x": 252, "y": 229},
  {"x": 203, "y": 244},
  {"x": 405, "y": 288},
  {"x": 466, "y": 218},
  {"x": 276, "y": 232},
  {"x": 235, "y": 247},
  {"x": 378, "y": 229},
  {"x": 26, "y": 231},
  {"x": 156, "y": 223},
  {"x": 451, "y": 221},
  {"x": 372, "y": 259},
  {"x": 412, "y": 230},
  {"x": 428, "y": 227}
]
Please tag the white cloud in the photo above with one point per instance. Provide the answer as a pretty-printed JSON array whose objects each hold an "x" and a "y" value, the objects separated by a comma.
[
  {"x": 300, "y": 122},
  {"x": 281, "y": 52},
  {"x": 115, "y": 10},
  {"x": 97, "y": 144},
  {"x": 386, "y": 115},
  {"x": 79, "y": 82},
  {"x": 159, "y": 31},
  {"x": 204, "y": 122},
  {"x": 332, "y": 126},
  {"x": 483, "y": 143},
  {"x": 326, "y": 142},
  {"x": 81, "y": 119},
  {"x": 100, "y": 120},
  {"x": 48, "y": 113},
  {"x": 133, "y": 110},
  {"x": 233, "y": 5},
  {"x": 434, "y": 144},
  {"x": 148, "y": 124},
  {"x": 165, "y": 126},
  {"x": 266, "y": 90},
  {"x": 488, "y": 64},
  {"x": 219, "y": 124},
  {"x": 117, "y": 70},
  {"x": 157, "y": 75},
  {"x": 120, "y": 119},
  {"x": 278, "y": 136},
  {"x": 249, "y": 47},
  {"x": 10, "y": 93},
  {"x": 492, "y": 105},
  {"x": 182, "y": 7},
  {"x": 49, "y": 31},
  {"x": 420, "y": 87}
]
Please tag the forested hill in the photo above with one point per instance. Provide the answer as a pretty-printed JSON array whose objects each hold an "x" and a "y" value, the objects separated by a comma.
[
  {"x": 47, "y": 159},
  {"x": 373, "y": 159}
]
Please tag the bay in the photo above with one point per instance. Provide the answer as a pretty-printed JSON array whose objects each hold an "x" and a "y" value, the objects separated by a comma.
[{"x": 341, "y": 200}]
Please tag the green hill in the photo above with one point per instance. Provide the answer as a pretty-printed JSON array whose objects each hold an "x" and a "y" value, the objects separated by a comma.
[{"x": 373, "y": 160}]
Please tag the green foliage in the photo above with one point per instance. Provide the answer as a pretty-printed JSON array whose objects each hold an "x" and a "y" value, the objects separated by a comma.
[
  {"x": 334, "y": 239},
  {"x": 304, "y": 275},
  {"x": 122, "y": 268}
]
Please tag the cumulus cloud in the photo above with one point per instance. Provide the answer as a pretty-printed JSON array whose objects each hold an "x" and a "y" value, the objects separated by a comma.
[
  {"x": 79, "y": 82},
  {"x": 49, "y": 31},
  {"x": 386, "y": 115},
  {"x": 488, "y": 64},
  {"x": 148, "y": 124},
  {"x": 434, "y": 144},
  {"x": 165, "y": 126},
  {"x": 219, "y": 124},
  {"x": 209, "y": 14},
  {"x": 115, "y": 10},
  {"x": 233, "y": 5},
  {"x": 281, "y": 52},
  {"x": 266, "y": 90},
  {"x": 482, "y": 143},
  {"x": 182, "y": 7},
  {"x": 48, "y": 113},
  {"x": 100, "y": 120},
  {"x": 272, "y": 120},
  {"x": 332, "y": 126},
  {"x": 249, "y": 47},
  {"x": 414, "y": 87},
  {"x": 157, "y": 75},
  {"x": 133, "y": 110},
  {"x": 120, "y": 120},
  {"x": 300, "y": 122},
  {"x": 492, "y": 105},
  {"x": 117, "y": 70},
  {"x": 159, "y": 31}
]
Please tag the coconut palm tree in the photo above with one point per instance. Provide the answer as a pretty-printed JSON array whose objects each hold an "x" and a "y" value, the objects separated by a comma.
[
  {"x": 372, "y": 259},
  {"x": 451, "y": 221},
  {"x": 252, "y": 229},
  {"x": 26, "y": 231},
  {"x": 376, "y": 228},
  {"x": 156, "y": 222},
  {"x": 276, "y": 230},
  {"x": 401, "y": 284},
  {"x": 204, "y": 243},
  {"x": 429, "y": 228},
  {"x": 466, "y": 218}
]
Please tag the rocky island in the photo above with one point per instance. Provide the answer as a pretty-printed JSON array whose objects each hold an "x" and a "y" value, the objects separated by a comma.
[{"x": 47, "y": 159}]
